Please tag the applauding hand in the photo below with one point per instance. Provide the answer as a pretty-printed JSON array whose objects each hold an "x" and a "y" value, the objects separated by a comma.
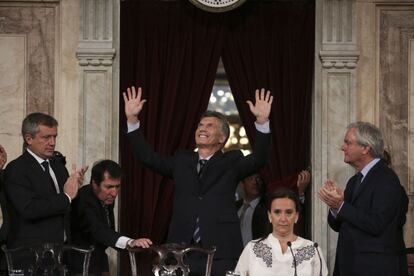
[{"x": 3, "y": 157}]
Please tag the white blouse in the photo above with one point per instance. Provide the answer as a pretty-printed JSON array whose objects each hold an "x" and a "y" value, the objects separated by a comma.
[{"x": 265, "y": 258}]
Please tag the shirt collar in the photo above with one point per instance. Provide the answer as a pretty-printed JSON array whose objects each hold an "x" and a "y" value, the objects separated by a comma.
[
  {"x": 38, "y": 159},
  {"x": 369, "y": 166},
  {"x": 207, "y": 158},
  {"x": 253, "y": 203}
]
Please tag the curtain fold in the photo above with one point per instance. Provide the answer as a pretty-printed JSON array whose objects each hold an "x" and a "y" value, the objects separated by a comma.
[
  {"x": 271, "y": 45},
  {"x": 171, "y": 50}
]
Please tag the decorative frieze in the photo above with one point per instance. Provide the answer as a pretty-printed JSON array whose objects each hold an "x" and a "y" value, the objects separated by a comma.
[
  {"x": 95, "y": 57},
  {"x": 339, "y": 59}
]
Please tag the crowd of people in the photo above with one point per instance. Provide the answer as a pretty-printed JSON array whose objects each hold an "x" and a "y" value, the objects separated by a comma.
[{"x": 255, "y": 236}]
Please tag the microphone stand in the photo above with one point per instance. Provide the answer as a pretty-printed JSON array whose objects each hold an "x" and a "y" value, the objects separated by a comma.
[
  {"x": 320, "y": 259},
  {"x": 293, "y": 255}
]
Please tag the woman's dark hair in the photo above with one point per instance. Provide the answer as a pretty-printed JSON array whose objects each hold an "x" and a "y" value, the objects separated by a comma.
[
  {"x": 283, "y": 193},
  {"x": 280, "y": 193}
]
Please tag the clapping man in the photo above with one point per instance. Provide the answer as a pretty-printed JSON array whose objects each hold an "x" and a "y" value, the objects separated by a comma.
[{"x": 370, "y": 213}]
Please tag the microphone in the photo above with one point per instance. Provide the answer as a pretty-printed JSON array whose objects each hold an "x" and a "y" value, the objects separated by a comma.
[
  {"x": 293, "y": 255},
  {"x": 320, "y": 259}
]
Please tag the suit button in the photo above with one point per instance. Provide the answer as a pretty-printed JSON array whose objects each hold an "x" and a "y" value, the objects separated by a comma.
[{"x": 200, "y": 197}]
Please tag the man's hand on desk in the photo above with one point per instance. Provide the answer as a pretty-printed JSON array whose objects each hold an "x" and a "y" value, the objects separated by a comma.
[{"x": 143, "y": 242}]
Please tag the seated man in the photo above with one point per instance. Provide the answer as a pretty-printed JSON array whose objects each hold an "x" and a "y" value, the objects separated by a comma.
[
  {"x": 252, "y": 209},
  {"x": 93, "y": 218}
]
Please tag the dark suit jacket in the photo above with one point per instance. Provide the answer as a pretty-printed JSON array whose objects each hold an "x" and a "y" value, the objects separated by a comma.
[
  {"x": 370, "y": 225},
  {"x": 260, "y": 220},
  {"x": 90, "y": 227},
  {"x": 3, "y": 203},
  {"x": 36, "y": 212},
  {"x": 211, "y": 198}
]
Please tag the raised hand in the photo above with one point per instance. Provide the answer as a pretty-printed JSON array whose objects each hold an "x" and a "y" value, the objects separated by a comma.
[
  {"x": 133, "y": 103},
  {"x": 261, "y": 109},
  {"x": 303, "y": 181},
  {"x": 3, "y": 157},
  {"x": 80, "y": 174}
]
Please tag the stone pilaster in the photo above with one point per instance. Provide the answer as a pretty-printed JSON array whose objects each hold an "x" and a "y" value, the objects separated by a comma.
[
  {"x": 98, "y": 101},
  {"x": 334, "y": 106}
]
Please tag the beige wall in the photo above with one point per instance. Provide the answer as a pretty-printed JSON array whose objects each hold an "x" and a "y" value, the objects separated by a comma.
[
  {"x": 385, "y": 77},
  {"x": 57, "y": 56},
  {"x": 363, "y": 71}
]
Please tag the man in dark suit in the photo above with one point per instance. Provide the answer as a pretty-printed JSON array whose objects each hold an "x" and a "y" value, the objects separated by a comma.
[
  {"x": 370, "y": 213},
  {"x": 4, "y": 223},
  {"x": 38, "y": 188},
  {"x": 252, "y": 209},
  {"x": 204, "y": 210},
  {"x": 93, "y": 218}
]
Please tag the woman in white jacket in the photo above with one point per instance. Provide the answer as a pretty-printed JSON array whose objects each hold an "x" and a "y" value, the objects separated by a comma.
[{"x": 273, "y": 254}]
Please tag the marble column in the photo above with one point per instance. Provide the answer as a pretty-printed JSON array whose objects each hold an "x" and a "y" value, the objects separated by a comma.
[
  {"x": 334, "y": 106},
  {"x": 99, "y": 100}
]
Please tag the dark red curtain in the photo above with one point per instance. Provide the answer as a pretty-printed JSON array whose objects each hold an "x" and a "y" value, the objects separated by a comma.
[
  {"x": 271, "y": 45},
  {"x": 172, "y": 50}
]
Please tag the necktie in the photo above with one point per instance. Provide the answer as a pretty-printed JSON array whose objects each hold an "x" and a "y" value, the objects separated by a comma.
[
  {"x": 245, "y": 206},
  {"x": 107, "y": 216},
  {"x": 196, "y": 236},
  {"x": 201, "y": 166},
  {"x": 45, "y": 165},
  {"x": 357, "y": 184}
]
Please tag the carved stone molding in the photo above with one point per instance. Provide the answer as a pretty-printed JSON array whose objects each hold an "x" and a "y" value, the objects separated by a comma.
[
  {"x": 95, "y": 57},
  {"x": 96, "y": 41},
  {"x": 339, "y": 60}
]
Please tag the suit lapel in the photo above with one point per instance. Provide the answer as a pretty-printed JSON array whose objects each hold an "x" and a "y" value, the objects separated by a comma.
[
  {"x": 214, "y": 159},
  {"x": 350, "y": 188},
  {"x": 365, "y": 182},
  {"x": 39, "y": 173},
  {"x": 56, "y": 167},
  {"x": 36, "y": 169}
]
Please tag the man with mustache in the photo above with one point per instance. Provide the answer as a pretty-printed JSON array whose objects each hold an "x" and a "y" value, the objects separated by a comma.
[{"x": 93, "y": 218}]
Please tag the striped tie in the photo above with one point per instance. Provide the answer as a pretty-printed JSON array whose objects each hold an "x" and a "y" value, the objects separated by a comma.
[
  {"x": 201, "y": 166},
  {"x": 196, "y": 235},
  {"x": 200, "y": 169}
]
